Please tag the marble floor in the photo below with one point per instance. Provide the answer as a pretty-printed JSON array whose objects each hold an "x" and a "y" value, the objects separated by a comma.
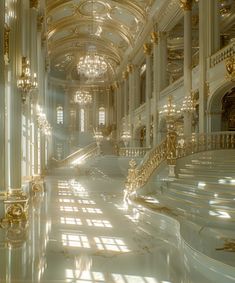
[{"x": 80, "y": 230}]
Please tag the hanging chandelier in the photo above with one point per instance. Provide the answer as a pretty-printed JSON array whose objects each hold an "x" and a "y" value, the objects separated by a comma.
[
  {"x": 188, "y": 104},
  {"x": 25, "y": 82},
  {"x": 92, "y": 65},
  {"x": 82, "y": 97},
  {"x": 169, "y": 109}
]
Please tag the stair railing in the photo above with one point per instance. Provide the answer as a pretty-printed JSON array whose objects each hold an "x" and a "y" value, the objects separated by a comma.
[
  {"x": 77, "y": 156},
  {"x": 171, "y": 149}
]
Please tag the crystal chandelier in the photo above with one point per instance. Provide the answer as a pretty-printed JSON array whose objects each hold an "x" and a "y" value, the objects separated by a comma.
[
  {"x": 188, "y": 104},
  {"x": 92, "y": 65},
  {"x": 43, "y": 124},
  {"x": 25, "y": 82},
  {"x": 169, "y": 109},
  {"x": 82, "y": 97},
  {"x": 125, "y": 137}
]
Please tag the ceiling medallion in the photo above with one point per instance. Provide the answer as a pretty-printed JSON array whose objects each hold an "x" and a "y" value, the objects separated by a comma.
[{"x": 92, "y": 65}]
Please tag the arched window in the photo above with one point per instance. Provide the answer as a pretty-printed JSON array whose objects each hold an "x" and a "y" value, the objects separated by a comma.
[
  {"x": 59, "y": 115},
  {"x": 101, "y": 116},
  {"x": 82, "y": 120}
]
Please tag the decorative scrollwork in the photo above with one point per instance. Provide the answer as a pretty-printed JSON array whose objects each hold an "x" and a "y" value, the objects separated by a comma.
[{"x": 230, "y": 68}]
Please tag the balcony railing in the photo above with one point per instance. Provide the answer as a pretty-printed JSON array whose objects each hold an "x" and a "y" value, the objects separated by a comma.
[
  {"x": 222, "y": 55},
  {"x": 133, "y": 151}
]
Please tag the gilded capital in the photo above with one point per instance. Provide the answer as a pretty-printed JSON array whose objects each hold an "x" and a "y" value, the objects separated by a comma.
[
  {"x": 6, "y": 43},
  {"x": 124, "y": 75},
  {"x": 154, "y": 37},
  {"x": 130, "y": 68},
  {"x": 147, "y": 48},
  {"x": 186, "y": 5},
  {"x": 34, "y": 4}
]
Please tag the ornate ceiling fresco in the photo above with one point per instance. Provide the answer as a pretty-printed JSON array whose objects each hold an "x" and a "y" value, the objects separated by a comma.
[{"x": 110, "y": 28}]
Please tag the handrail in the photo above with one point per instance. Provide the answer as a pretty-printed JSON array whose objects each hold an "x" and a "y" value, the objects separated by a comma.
[
  {"x": 139, "y": 175},
  {"x": 133, "y": 151},
  {"x": 222, "y": 54},
  {"x": 171, "y": 149},
  {"x": 204, "y": 142},
  {"x": 80, "y": 153}
]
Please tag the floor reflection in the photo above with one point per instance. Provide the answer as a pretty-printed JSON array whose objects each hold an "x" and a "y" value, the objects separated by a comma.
[{"x": 77, "y": 235}]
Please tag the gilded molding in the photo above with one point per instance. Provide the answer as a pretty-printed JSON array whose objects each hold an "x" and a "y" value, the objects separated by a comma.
[
  {"x": 154, "y": 37},
  {"x": 130, "y": 68},
  {"x": 230, "y": 68},
  {"x": 186, "y": 5},
  {"x": 147, "y": 48},
  {"x": 34, "y": 4},
  {"x": 124, "y": 75},
  {"x": 6, "y": 43},
  {"x": 40, "y": 20}
]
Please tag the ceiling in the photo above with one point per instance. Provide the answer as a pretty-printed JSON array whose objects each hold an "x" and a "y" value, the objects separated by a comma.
[{"x": 111, "y": 27}]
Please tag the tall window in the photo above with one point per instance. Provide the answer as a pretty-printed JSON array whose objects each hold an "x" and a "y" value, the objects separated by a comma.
[
  {"x": 101, "y": 116},
  {"x": 82, "y": 120},
  {"x": 59, "y": 115}
]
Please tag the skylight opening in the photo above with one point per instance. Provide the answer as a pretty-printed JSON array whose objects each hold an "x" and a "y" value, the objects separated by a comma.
[{"x": 72, "y": 240}]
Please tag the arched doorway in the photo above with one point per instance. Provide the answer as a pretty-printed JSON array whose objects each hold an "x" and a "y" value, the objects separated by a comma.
[
  {"x": 218, "y": 108},
  {"x": 228, "y": 111}
]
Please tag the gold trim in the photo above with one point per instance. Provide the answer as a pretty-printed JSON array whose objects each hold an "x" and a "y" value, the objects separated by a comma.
[
  {"x": 34, "y": 4},
  {"x": 154, "y": 37},
  {"x": 147, "y": 48},
  {"x": 186, "y": 5},
  {"x": 6, "y": 43}
]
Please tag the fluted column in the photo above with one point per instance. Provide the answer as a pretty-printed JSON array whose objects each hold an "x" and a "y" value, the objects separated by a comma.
[
  {"x": 2, "y": 99},
  {"x": 156, "y": 84},
  {"x": 131, "y": 72},
  {"x": 208, "y": 44},
  {"x": 14, "y": 106},
  {"x": 119, "y": 109},
  {"x": 187, "y": 8},
  {"x": 125, "y": 91},
  {"x": 148, "y": 90}
]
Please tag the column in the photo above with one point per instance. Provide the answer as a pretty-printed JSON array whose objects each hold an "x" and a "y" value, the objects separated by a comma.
[
  {"x": 125, "y": 92},
  {"x": 2, "y": 99},
  {"x": 163, "y": 60},
  {"x": 187, "y": 7},
  {"x": 148, "y": 90},
  {"x": 131, "y": 72},
  {"x": 119, "y": 109},
  {"x": 208, "y": 44},
  {"x": 156, "y": 92}
]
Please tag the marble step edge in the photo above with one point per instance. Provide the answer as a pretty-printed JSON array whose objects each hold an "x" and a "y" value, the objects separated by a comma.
[{"x": 219, "y": 264}]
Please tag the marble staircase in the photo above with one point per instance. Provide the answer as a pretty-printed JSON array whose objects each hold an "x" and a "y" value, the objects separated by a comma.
[{"x": 202, "y": 199}]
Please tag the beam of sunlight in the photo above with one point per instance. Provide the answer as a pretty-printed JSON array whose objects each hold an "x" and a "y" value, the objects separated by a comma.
[
  {"x": 111, "y": 244},
  {"x": 70, "y": 220},
  {"x": 74, "y": 240},
  {"x": 91, "y": 210},
  {"x": 98, "y": 223},
  {"x": 69, "y": 208}
]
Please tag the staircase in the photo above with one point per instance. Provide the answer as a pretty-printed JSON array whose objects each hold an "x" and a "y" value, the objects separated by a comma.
[{"x": 202, "y": 199}]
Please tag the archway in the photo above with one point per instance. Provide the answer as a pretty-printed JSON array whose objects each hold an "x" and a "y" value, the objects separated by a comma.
[
  {"x": 216, "y": 107},
  {"x": 140, "y": 136}
]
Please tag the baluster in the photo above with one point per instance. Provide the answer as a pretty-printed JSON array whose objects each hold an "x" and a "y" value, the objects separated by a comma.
[{"x": 232, "y": 141}]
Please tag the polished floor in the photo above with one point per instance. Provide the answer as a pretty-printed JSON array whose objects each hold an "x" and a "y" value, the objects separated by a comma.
[{"x": 81, "y": 230}]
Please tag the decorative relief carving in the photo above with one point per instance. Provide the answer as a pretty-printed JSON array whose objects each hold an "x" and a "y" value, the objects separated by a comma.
[
  {"x": 186, "y": 5},
  {"x": 154, "y": 37},
  {"x": 230, "y": 68},
  {"x": 6, "y": 43},
  {"x": 147, "y": 48},
  {"x": 34, "y": 4}
]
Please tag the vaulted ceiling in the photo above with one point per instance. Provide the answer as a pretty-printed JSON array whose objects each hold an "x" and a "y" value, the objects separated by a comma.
[{"x": 110, "y": 27}]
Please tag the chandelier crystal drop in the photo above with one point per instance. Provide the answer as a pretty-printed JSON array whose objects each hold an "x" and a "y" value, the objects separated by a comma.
[
  {"x": 82, "y": 97},
  {"x": 92, "y": 65},
  {"x": 188, "y": 104}
]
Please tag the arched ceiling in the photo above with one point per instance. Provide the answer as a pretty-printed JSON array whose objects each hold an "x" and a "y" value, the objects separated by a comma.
[{"x": 111, "y": 27}]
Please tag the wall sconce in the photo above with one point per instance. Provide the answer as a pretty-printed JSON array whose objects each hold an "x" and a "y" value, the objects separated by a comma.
[
  {"x": 230, "y": 68},
  {"x": 25, "y": 83}
]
